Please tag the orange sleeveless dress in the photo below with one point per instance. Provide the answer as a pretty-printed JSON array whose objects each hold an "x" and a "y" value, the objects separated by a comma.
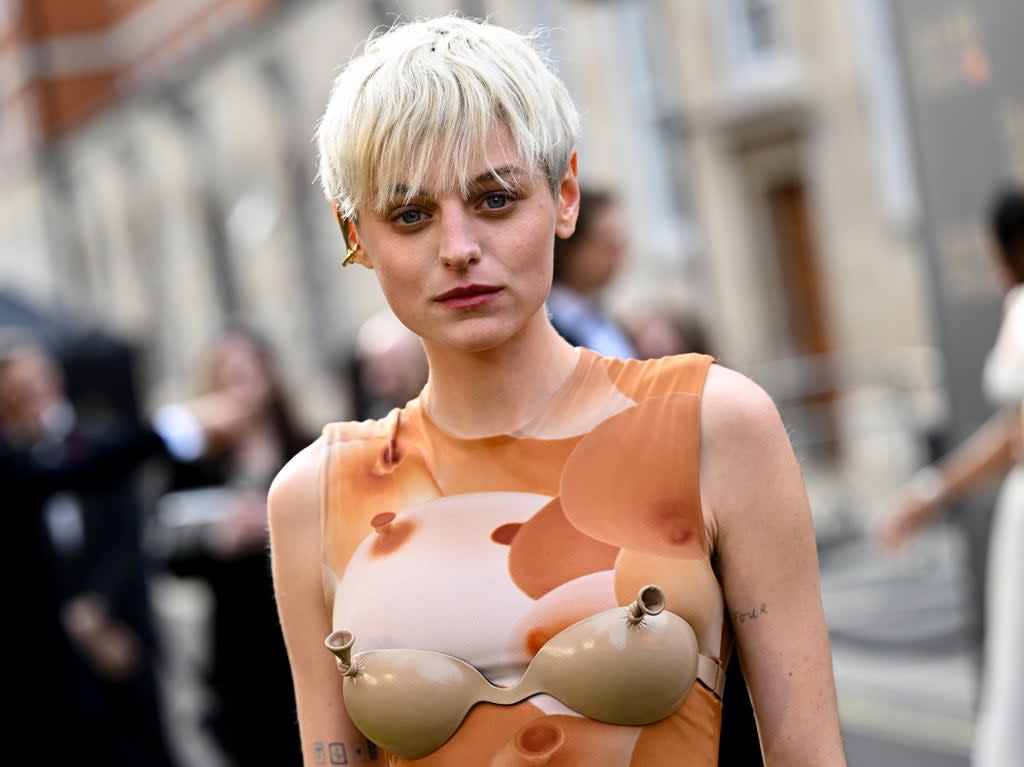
[{"x": 484, "y": 549}]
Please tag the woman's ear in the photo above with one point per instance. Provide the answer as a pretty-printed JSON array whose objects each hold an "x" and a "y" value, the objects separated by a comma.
[
  {"x": 354, "y": 253},
  {"x": 568, "y": 201},
  {"x": 356, "y": 250}
]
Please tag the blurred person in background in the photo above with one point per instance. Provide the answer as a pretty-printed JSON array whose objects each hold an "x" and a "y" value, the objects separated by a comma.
[
  {"x": 86, "y": 655},
  {"x": 585, "y": 265},
  {"x": 222, "y": 498},
  {"x": 509, "y": 520},
  {"x": 993, "y": 452},
  {"x": 387, "y": 366},
  {"x": 663, "y": 331}
]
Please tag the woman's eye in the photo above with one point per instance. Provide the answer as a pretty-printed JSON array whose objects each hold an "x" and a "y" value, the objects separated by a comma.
[
  {"x": 409, "y": 217},
  {"x": 496, "y": 201}
]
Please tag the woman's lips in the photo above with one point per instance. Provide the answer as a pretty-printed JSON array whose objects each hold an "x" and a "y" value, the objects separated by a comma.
[{"x": 469, "y": 296}]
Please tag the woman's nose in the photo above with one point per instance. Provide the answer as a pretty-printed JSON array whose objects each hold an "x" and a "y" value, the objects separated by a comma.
[{"x": 459, "y": 246}]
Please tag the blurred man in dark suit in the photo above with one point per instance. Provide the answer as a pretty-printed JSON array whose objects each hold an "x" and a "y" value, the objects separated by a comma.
[{"x": 85, "y": 651}]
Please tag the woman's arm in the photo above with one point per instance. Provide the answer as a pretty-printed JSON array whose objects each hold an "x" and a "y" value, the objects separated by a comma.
[
  {"x": 767, "y": 552},
  {"x": 327, "y": 734},
  {"x": 207, "y": 421},
  {"x": 108, "y": 458},
  {"x": 985, "y": 455}
]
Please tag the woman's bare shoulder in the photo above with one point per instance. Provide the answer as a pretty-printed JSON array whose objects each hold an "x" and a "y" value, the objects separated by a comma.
[
  {"x": 296, "y": 486},
  {"x": 744, "y": 444},
  {"x": 732, "y": 403}
]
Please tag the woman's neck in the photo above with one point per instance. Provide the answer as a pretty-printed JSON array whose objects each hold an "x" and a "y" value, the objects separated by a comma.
[{"x": 500, "y": 390}]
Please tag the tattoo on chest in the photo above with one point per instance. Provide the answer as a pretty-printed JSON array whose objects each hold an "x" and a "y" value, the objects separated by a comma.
[{"x": 744, "y": 615}]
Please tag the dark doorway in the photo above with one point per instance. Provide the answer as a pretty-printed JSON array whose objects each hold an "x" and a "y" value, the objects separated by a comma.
[{"x": 792, "y": 231}]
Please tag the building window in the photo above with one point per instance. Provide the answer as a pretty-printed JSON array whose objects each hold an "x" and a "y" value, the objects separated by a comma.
[
  {"x": 753, "y": 37},
  {"x": 887, "y": 112},
  {"x": 760, "y": 23}
]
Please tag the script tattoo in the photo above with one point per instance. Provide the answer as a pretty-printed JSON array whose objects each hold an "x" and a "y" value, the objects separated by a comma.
[{"x": 754, "y": 614}]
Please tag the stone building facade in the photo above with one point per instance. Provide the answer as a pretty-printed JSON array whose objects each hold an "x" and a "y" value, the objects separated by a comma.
[{"x": 759, "y": 146}]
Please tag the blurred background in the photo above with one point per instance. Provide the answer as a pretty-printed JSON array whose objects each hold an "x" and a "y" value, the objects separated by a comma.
[{"x": 803, "y": 181}]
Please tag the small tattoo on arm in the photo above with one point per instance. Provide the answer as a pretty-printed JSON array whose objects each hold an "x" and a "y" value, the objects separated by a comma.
[
  {"x": 754, "y": 614},
  {"x": 338, "y": 754},
  {"x": 365, "y": 751}
]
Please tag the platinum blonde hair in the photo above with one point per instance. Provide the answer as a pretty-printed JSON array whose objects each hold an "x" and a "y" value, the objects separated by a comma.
[{"x": 422, "y": 99}]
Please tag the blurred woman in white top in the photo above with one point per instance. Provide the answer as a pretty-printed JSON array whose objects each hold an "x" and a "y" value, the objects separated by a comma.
[{"x": 993, "y": 451}]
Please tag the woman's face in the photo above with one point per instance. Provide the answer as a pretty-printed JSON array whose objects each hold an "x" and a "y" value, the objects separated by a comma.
[
  {"x": 597, "y": 258},
  {"x": 1000, "y": 261},
  {"x": 471, "y": 273},
  {"x": 30, "y": 385},
  {"x": 238, "y": 365}
]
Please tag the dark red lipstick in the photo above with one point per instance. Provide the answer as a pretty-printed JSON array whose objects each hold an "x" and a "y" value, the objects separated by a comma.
[{"x": 468, "y": 296}]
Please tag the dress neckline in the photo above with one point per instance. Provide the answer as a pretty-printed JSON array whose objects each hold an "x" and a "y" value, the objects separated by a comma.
[{"x": 577, "y": 371}]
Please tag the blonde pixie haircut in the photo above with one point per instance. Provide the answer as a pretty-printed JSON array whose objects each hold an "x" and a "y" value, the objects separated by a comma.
[{"x": 425, "y": 95}]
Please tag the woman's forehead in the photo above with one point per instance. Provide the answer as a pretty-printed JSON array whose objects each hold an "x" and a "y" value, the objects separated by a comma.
[{"x": 499, "y": 159}]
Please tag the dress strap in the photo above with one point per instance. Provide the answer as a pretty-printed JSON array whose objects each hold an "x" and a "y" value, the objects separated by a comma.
[{"x": 711, "y": 673}]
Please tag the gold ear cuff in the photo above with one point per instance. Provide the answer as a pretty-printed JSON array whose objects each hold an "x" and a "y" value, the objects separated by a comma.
[{"x": 350, "y": 250}]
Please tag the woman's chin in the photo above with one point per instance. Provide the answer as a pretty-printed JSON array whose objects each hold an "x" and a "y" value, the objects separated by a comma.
[{"x": 475, "y": 338}]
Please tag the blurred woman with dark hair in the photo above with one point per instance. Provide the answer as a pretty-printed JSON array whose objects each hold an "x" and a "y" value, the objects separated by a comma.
[
  {"x": 993, "y": 451},
  {"x": 253, "y": 715}
]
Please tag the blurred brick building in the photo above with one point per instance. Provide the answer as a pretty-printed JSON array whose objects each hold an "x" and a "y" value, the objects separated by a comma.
[{"x": 66, "y": 61}]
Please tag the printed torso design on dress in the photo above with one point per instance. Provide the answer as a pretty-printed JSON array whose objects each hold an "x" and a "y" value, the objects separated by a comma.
[{"x": 484, "y": 549}]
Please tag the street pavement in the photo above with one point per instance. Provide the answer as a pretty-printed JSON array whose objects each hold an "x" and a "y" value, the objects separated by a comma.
[
  {"x": 871, "y": 751},
  {"x": 905, "y": 665}
]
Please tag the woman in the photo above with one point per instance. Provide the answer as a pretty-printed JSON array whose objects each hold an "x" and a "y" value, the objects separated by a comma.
[
  {"x": 993, "y": 451},
  {"x": 252, "y": 717},
  {"x": 585, "y": 264},
  {"x": 592, "y": 535}
]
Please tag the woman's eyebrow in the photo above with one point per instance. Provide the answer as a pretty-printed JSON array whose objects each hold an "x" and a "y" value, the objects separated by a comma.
[
  {"x": 400, "y": 196},
  {"x": 506, "y": 173}
]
